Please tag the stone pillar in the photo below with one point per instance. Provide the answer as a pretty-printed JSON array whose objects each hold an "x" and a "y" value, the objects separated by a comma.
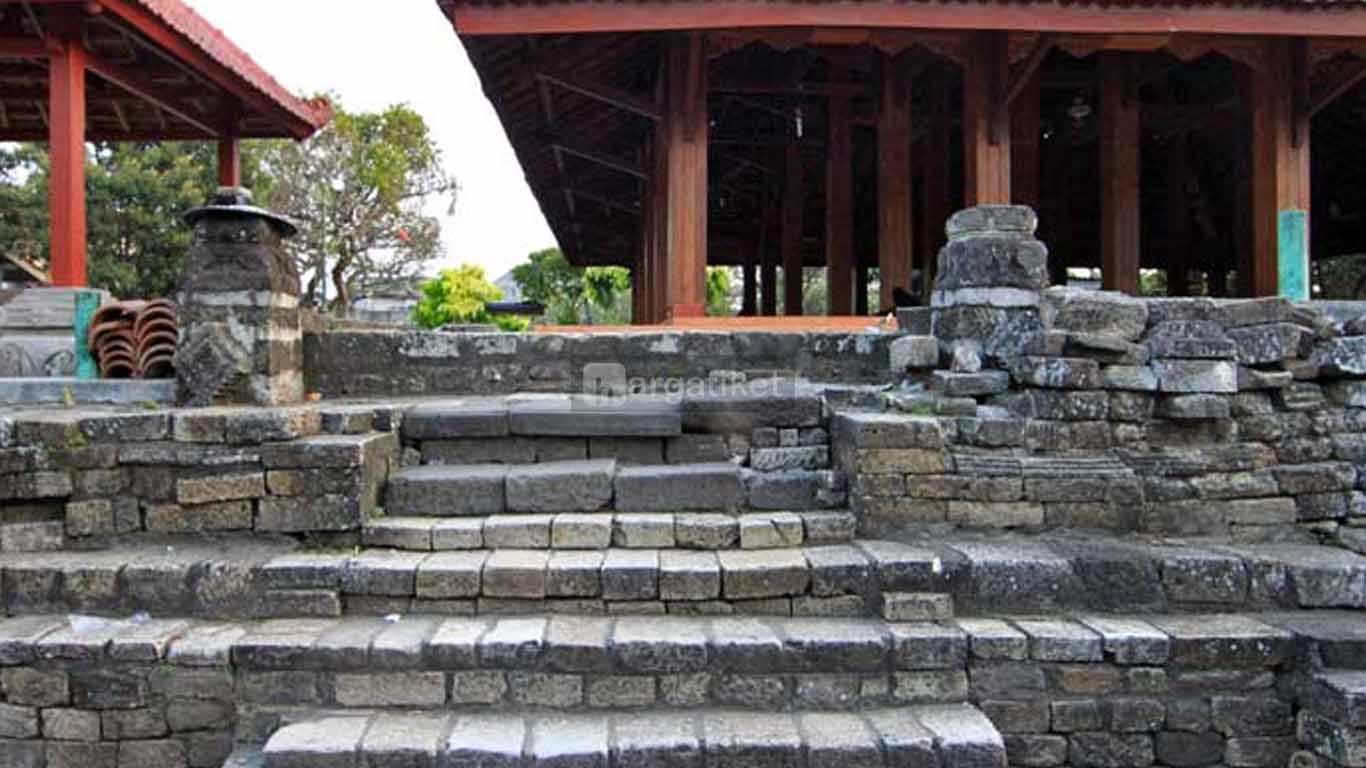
[
  {"x": 987, "y": 285},
  {"x": 240, "y": 340}
]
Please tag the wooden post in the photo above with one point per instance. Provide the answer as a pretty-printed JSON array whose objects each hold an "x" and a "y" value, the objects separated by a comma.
[
  {"x": 935, "y": 161},
  {"x": 1177, "y": 253},
  {"x": 794, "y": 202},
  {"x": 750, "y": 301},
  {"x": 229, "y": 162},
  {"x": 768, "y": 265},
  {"x": 1119, "y": 174},
  {"x": 1280, "y": 172},
  {"x": 659, "y": 250},
  {"x": 986, "y": 121},
  {"x": 66, "y": 145},
  {"x": 895, "y": 233},
  {"x": 839, "y": 200},
  {"x": 1024, "y": 144},
  {"x": 861, "y": 289},
  {"x": 686, "y": 148}
]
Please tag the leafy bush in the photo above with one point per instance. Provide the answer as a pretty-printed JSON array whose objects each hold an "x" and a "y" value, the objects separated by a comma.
[{"x": 458, "y": 296}]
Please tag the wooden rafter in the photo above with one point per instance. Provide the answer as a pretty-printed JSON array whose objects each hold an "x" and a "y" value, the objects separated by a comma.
[
  {"x": 597, "y": 158},
  {"x": 1020, "y": 74},
  {"x": 148, "y": 90},
  {"x": 1344, "y": 82},
  {"x": 614, "y": 97}
]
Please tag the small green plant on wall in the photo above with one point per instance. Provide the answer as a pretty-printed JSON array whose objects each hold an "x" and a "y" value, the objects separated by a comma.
[{"x": 459, "y": 296}]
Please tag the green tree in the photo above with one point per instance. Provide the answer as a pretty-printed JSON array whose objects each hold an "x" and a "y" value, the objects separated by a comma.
[
  {"x": 459, "y": 296},
  {"x": 719, "y": 300},
  {"x": 361, "y": 189},
  {"x": 135, "y": 193},
  {"x": 575, "y": 295}
]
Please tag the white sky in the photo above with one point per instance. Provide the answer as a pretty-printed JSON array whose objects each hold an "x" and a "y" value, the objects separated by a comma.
[{"x": 402, "y": 51}]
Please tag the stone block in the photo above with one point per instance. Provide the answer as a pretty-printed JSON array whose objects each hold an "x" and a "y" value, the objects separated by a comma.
[
  {"x": 1129, "y": 377},
  {"x": 1196, "y": 376},
  {"x": 760, "y": 574},
  {"x": 1190, "y": 340},
  {"x": 1096, "y": 312},
  {"x": 914, "y": 352},
  {"x": 630, "y": 575},
  {"x": 516, "y": 574},
  {"x": 706, "y": 531},
  {"x": 1057, "y": 372},
  {"x": 1271, "y": 343},
  {"x": 1194, "y": 407},
  {"x": 566, "y": 486},
  {"x": 443, "y": 491},
  {"x": 643, "y": 531},
  {"x": 710, "y": 487},
  {"x": 482, "y": 417},
  {"x": 978, "y": 384}
]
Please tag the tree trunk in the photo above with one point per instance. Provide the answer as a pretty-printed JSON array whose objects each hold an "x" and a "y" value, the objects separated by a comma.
[{"x": 341, "y": 306}]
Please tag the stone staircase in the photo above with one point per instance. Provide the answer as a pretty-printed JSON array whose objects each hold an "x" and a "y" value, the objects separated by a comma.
[{"x": 599, "y": 584}]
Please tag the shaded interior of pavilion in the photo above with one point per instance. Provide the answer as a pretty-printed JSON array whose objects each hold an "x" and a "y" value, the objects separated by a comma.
[{"x": 1141, "y": 154}]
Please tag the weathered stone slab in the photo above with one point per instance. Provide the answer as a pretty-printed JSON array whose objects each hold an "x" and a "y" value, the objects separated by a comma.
[
  {"x": 1096, "y": 312},
  {"x": 710, "y": 487},
  {"x": 563, "y": 486}
]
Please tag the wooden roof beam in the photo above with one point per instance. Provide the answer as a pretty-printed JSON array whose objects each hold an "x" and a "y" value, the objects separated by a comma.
[
  {"x": 146, "y": 89},
  {"x": 583, "y": 153},
  {"x": 656, "y": 16},
  {"x": 1344, "y": 82},
  {"x": 605, "y": 202},
  {"x": 614, "y": 97},
  {"x": 1020, "y": 75},
  {"x": 22, "y": 48}
]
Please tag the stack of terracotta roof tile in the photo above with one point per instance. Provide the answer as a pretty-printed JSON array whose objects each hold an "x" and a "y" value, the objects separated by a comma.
[{"x": 134, "y": 339}]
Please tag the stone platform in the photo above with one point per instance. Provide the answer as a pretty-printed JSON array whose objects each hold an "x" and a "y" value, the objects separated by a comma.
[{"x": 1110, "y": 532}]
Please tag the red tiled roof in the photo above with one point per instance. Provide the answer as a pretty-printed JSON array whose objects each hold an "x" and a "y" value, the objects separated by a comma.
[{"x": 195, "y": 29}]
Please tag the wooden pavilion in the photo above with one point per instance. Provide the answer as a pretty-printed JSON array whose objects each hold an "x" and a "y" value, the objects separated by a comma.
[
  {"x": 666, "y": 135},
  {"x": 160, "y": 72}
]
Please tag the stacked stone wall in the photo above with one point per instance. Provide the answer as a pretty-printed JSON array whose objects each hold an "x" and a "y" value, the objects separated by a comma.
[
  {"x": 357, "y": 363},
  {"x": 77, "y": 479}
]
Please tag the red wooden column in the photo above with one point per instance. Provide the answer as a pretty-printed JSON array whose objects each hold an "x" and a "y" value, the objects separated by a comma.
[
  {"x": 686, "y": 136},
  {"x": 1280, "y": 172},
  {"x": 895, "y": 232},
  {"x": 66, "y": 145},
  {"x": 839, "y": 200},
  {"x": 794, "y": 201},
  {"x": 986, "y": 121},
  {"x": 229, "y": 162},
  {"x": 658, "y": 202},
  {"x": 935, "y": 161},
  {"x": 1119, "y": 174}
]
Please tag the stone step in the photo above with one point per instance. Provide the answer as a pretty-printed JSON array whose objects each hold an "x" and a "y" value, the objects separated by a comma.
[
  {"x": 543, "y": 415},
  {"x": 957, "y": 736},
  {"x": 629, "y": 530},
  {"x": 237, "y": 576},
  {"x": 714, "y": 486},
  {"x": 600, "y": 484}
]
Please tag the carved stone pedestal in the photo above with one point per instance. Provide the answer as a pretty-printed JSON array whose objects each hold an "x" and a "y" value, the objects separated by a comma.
[
  {"x": 240, "y": 340},
  {"x": 986, "y": 289}
]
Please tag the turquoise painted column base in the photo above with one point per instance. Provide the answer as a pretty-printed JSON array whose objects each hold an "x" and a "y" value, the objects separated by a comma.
[
  {"x": 1292, "y": 251},
  {"x": 87, "y": 303}
]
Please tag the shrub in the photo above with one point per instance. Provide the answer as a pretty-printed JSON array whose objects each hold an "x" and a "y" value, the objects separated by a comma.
[{"x": 459, "y": 296}]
